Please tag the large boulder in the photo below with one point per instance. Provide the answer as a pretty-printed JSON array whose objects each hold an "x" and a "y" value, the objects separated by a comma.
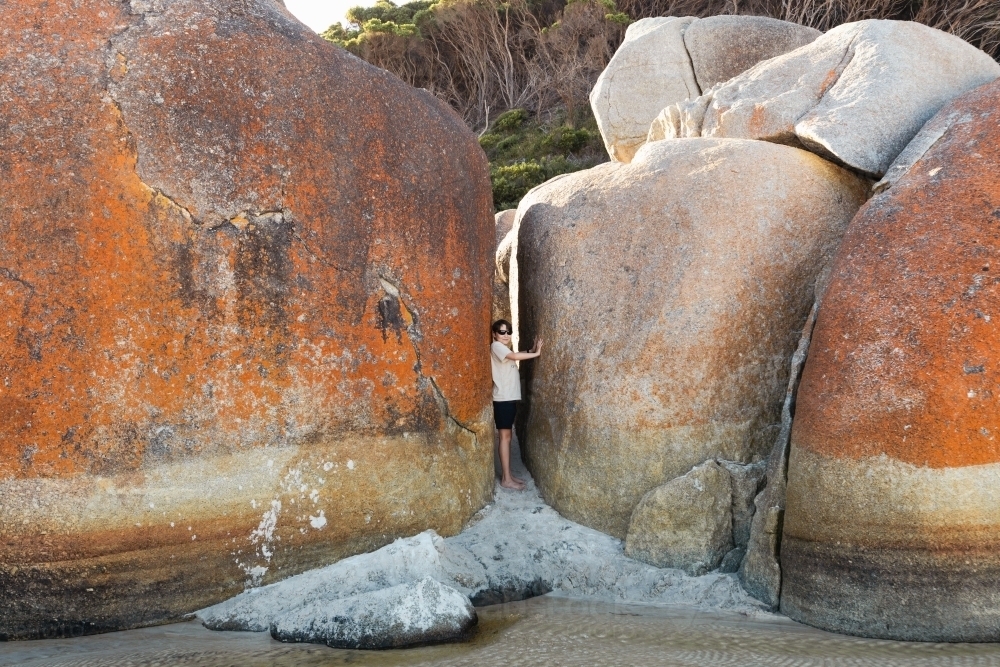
[
  {"x": 243, "y": 309},
  {"x": 722, "y": 47},
  {"x": 668, "y": 59},
  {"x": 857, "y": 95},
  {"x": 893, "y": 509},
  {"x": 417, "y": 613},
  {"x": 650, "y": 70},
  {"x": 708, "y": 250},
  {"x": 686, "y": 523}
]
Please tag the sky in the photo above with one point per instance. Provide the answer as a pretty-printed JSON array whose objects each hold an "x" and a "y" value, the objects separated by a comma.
[{"x": 321, "y": 14}]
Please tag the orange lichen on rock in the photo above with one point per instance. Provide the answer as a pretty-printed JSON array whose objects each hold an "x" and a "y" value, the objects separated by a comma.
[
  {"x": 241, "y": 279},
  {"x": 903, "y": 361},
  {"x": 892, "y": 526}
]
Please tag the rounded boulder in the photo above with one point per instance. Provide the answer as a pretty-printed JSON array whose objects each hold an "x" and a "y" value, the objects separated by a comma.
[
  {"x": 244, "y": 285},
  {"x": 856, "y": 95},
  {"x": 669, "y": 293},
  {"x": 892, "y": 520},
  {"x": 666, "y": 60}
]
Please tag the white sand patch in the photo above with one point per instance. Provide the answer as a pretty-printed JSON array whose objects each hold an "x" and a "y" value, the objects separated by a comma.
[{"x": 512, "y": 549}]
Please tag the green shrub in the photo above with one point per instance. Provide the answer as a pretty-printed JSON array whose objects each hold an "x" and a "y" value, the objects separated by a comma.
[
  {"x": 566, "y": 139},
  {"x": 340, "y": 35},
  {"x": 489, "y": 141},
  {"x": 509, "y": 121},
  {"x": 388, "y": 12},
  {"x": 512, "y": 181},
  {"x": 376, "y": 26},
  {"x": 506, "y": 144},
  {"x": 525, "y": 152}
]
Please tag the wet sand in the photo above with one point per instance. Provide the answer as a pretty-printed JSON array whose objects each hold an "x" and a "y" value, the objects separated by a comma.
[{"x": 542, "y": 631}]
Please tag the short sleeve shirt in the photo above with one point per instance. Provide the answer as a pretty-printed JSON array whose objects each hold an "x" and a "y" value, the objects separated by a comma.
[{"x": 506, "y": 379}]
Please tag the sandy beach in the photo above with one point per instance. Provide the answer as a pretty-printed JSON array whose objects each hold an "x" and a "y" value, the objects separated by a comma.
[{"x": 692, "y": 621}]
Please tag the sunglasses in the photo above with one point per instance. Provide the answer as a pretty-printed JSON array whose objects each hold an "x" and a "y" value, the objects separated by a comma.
[{"x": 503, "y": 333}]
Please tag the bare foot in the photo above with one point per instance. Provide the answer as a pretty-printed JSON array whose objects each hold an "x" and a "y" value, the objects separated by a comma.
[{"x": 512, "y": 483}]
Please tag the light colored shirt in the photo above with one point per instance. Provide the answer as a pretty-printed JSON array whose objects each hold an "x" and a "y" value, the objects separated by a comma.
[{"x": 506, "y": 379}]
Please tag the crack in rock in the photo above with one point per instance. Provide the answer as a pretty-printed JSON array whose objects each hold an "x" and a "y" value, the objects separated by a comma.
[{"x": 410, "y": 319}]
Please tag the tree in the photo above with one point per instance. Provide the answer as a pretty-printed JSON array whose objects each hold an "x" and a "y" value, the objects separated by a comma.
[{"x": 575, "y": 50}]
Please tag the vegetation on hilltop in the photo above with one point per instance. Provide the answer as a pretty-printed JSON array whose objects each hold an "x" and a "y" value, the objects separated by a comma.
[
  {"x": 485, "y": 57},
  {"x": 536, "y": 60},
  {"x": 518, "y": 72},
  {"x": 524, "y": 153}
]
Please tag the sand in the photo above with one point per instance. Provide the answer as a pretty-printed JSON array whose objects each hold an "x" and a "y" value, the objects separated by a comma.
[{"x": 517, "y": 547}]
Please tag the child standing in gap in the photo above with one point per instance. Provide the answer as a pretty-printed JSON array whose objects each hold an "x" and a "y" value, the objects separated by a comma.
[{"x": 507, "y": 392}]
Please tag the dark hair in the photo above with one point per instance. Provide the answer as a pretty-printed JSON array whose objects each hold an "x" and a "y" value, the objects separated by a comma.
[{"x": 499, "y": 323}]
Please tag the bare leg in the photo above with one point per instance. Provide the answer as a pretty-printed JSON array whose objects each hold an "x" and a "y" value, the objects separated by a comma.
[{"x": 508, "y": 481}]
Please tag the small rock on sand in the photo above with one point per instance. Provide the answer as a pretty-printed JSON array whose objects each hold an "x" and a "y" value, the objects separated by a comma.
[
  {"x": 404, "y": 615},
  {"x": 685, "y": 523}
]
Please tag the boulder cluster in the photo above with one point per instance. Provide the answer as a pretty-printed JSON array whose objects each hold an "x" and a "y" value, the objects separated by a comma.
[
  {"x": 766, "y": 178},
  {"x": 244, "y": 287}
]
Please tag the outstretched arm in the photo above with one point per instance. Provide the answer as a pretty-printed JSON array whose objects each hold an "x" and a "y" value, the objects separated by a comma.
[{"x": 535, "y": 351}]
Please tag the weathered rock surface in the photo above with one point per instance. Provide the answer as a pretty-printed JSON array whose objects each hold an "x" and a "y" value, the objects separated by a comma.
[
  {"x": 520, "y": 547},
  {"x": 403, "y": 615},
  {"x": 686, "y": 523},
  {"x": 649, "y": 71},
  {"x": 668, "y": 59},
  {"x": 722, "y": 47},
  {"x": 698, "y": 521},
  {"x": 504, "y": 225},
  {"x": 892, "y": 524},
  {"x": 857, "y": 95},
  {"x": 732, "y": 560},
  {"x": 242, "y": 336},
  {"x": 709, "y": 250},
  {"x": 929, "y": 134},
  {"x": 759, "y": 567},
  {"x": 501, "y": 269}
]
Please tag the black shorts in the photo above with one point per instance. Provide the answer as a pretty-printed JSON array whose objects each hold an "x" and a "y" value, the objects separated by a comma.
[{"x": 503, "y": 413}]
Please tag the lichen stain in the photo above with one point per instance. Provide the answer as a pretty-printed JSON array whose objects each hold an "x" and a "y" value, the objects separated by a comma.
[
  {"x": 390, "y": 318},
  {"x": 889, "y": 371}
]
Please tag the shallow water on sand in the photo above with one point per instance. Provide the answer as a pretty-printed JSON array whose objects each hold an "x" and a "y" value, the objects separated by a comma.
[{"x": 541, "y": 631}]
